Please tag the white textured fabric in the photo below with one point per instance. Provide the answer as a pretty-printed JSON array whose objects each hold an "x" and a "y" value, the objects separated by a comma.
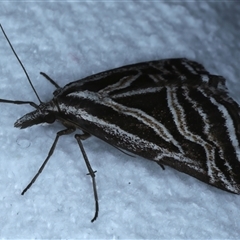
[{"x": 137, "y": 199}]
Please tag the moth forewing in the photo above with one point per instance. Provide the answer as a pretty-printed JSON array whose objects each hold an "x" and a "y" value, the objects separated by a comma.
[{"x": 171, "y": 111}]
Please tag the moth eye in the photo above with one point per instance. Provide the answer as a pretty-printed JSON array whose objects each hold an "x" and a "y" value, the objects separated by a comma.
[{"x": 50, "y": 118}]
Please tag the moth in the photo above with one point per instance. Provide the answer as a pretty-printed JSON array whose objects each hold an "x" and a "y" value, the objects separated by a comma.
[{"x": 172, "y": 112}]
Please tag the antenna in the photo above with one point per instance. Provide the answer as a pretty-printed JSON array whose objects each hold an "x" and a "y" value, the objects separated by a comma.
[{"x": 21, "y": 64}]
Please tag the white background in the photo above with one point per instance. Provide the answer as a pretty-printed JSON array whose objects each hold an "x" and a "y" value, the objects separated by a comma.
[{"x": 137, "y": 199}]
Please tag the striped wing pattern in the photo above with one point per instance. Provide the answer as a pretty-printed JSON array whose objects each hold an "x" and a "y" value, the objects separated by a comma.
[{"x": 170, "y": 111}]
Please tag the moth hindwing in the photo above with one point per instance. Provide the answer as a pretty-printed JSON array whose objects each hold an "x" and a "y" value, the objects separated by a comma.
[{"x": 171, "y": 111}]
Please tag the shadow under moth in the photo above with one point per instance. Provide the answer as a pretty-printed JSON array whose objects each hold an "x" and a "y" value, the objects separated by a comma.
[{"x": 170, "y": 111}]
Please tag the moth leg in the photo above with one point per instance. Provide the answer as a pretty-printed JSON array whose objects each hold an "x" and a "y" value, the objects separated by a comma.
[
  {"x": 84, "y": 135},
  {"x": 162, "y": 166},
  {"x": 50, "y": 80},
  {"x": 60, "y": 133},
  {"x": 19, "y": 102},
  {"x": 79, "y": 138}
]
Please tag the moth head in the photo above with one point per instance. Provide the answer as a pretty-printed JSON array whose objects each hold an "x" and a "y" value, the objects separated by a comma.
[{"x": 42, "y": 114}]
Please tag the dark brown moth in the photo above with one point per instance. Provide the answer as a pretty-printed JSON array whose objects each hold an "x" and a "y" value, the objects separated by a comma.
[{"x": 171, "y": 111}]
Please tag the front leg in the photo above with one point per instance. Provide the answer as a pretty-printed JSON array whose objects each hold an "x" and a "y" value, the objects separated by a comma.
[{"x": 59, "y": 134}]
